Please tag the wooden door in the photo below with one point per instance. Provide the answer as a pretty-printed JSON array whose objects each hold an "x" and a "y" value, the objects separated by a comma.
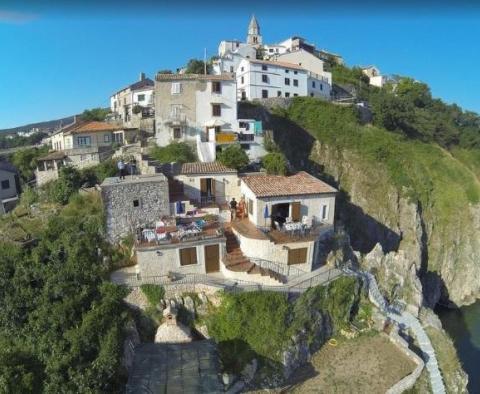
[
  {"x": 297, "y": 256},
  {"x": 203, "y": 186},
  {"x": 296, "y": 211},
  {"x": 212, "y": 258}
]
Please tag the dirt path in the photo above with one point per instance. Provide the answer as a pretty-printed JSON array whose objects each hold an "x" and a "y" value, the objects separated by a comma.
[{"x": 368, "y": 364}]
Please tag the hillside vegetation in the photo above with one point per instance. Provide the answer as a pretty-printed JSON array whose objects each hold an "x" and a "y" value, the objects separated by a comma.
[{"x": 408, "y": 177}]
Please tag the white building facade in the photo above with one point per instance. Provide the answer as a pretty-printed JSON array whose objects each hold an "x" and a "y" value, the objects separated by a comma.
[{"x": 257, "y": 79}]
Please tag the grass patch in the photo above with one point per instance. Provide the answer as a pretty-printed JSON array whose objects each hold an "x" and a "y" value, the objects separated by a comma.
[{"x": 154, "y": 293}]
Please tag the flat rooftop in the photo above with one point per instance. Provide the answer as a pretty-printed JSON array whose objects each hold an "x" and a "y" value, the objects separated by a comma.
[
  {"x": 130, "y": 179},
  {"x": 175, "y": 368}
]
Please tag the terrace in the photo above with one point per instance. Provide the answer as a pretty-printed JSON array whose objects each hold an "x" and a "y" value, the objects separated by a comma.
[
  {"x": 175, "y": 230},
  {"x": 298, "y": 232}
]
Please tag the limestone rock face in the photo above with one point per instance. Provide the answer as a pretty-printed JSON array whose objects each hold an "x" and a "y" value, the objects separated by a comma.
[{"x": 445, "y": 251}]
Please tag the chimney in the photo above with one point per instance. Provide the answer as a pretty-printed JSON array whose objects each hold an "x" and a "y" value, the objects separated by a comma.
[{"x": 142, "y": 76}]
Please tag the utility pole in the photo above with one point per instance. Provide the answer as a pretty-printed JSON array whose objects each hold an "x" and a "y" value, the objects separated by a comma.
[{"x": 205, "y": 61}]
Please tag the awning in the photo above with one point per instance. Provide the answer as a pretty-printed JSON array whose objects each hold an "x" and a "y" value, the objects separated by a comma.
[{"x": 214, "y": 123}]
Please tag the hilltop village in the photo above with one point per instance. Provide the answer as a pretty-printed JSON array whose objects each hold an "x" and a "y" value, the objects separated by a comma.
[{"x": 228, "y": 220}]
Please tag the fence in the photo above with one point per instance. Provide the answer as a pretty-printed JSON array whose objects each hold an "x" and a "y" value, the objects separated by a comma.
[
  {"x": 189, "y": 282},
  {"x": 288, "y": 271}
]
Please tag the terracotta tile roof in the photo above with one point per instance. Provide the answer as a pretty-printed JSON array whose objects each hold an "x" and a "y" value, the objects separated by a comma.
[
  {"x": 57, "y": 155},
  {"x": 293, "y": 185},
  {"x": 281, "y": 64},
  {"x": 206, "y": 168},
  {"x": 92, "y": 126},
  {"x": 193, "y": 77}
]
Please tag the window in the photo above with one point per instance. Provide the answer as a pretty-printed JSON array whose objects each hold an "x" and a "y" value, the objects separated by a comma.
[
  {"x": 231, "y": 69},
  {"x": 270, "y": 50},
  {"x": 295, "y": 72},
  {"x": 297, "y": 256},
  {"x": 84, "y": 141},
  {"x": 324, "y": 212},
  {"x": 176, "y": 88},
  {"x": 321, "y": 86},
  {"x": 313, "y": 84},
  {"x": 244, "y": 95},
  {"x": 188, "y": 256},
  {"x": 216, "y": 110},
  {"x": 242, "y": 68},
  {"x": 295, "y": 95},
  {"x": 5, "y": 184},
  {"x": 287, "y": 71},
  {"x": 141, "y": 97},
  {"x": 216, "y": 87},
  {"x": 106, "y": 138},
  {"x": 136, "y": 203},
  {"x": 287, "y": 81},
  {"x": 264, "y": 78},
  {"x": 250, "y": 207},
  {"x": 264, "y": 93},
  {"x": 264, "y": 67},
  {"x": 295, "y": 82},
  {"x": 287, "y": 94},
  {"x": 242, "y": 80},
  {"x": 177, "y": 133},
  {"x": 279, "y": 93}
]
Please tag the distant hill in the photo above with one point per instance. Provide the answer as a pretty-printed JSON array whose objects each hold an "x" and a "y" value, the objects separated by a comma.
[{"x": 46, "y": 126}]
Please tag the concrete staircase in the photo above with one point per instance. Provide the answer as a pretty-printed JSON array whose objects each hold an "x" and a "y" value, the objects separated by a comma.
[{"x": 236, "y": 261}]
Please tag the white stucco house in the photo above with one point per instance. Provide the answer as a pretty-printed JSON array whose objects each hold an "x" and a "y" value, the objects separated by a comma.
[
  {"x": 374, "y": 75},
  {"x": 319, "y": 81},
  {"x": 257, "y": 79}
]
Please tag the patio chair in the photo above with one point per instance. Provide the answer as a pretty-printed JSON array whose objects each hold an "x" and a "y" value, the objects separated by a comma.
[{"x": 288, "y": 219}]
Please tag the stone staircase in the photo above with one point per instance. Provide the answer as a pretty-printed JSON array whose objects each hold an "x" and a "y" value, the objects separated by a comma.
[
  {"x": 406, "y": 320},
  {"x": 236, "y": 261}
]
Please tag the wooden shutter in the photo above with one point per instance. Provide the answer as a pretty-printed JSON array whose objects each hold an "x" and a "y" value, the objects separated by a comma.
[
  {"x": 203, "y": 185},
  {"x": 296, "y": 211},
  {"x": 297, "y": 256},
  {"x": 188, "y": 256},
  {"x": 213, "y": 186}
]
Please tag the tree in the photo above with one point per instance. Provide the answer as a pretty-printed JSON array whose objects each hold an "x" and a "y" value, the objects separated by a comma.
[
  {"x": 275, "y": 163},
  {"x": 178, "y": 152},
  {"x": 165, "y": 72},
  {"x": 68, "y": 182},
  {"x": 98, "y": 114},
  {"x": 416, "y": 92},
  {"x": 25, "y": 160},
  {"x": 196, "y": 66},
  {"x": 233, "y": 157}
]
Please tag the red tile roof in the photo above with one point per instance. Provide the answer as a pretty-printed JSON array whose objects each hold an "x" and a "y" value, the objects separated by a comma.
[
  {"x": 199, "y": 168},
  {"x": 301, "y": 183},
  {"x": 92, "y": 126},
  {"x": 281, "y": 64},
  {"x": 193, "y": 77}
]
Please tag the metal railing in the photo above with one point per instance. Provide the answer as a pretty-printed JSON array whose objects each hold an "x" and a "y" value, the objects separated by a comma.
[
  {"x": 189, "y": 282},
  {"x": 288, "y": 271}
]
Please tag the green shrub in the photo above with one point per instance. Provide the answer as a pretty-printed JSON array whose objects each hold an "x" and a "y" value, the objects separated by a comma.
[
  {"x": 275, "y": 163},
  {"x": 178, "y": 152},
  {"x": 154, "y": 293},
  {"x": 68, "y": 182},
  {"x": 233, "y": 156}
]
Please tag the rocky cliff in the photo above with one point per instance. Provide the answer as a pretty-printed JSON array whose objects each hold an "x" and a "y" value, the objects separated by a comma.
[{"x": 415, "y": 200}]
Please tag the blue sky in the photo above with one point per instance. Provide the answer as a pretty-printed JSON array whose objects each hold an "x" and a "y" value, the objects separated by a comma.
[{"x": 56, "y": 61}]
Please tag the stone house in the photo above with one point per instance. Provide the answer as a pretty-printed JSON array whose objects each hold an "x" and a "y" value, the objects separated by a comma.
[
  {"x": 9, "y": 187},
  {"x": 81, "y": 144},
  {"x": 133, "y": 203},
  {"x": 195, "y": 108},
  {"x": 134, "y": 105}
]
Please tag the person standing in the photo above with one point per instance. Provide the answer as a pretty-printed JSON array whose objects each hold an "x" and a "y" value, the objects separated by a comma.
[
  {"x": 121, "y": 169},
  {"x": 233, "y": 208}
]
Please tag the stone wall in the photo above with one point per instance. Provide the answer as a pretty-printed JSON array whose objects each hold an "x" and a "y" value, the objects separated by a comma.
[
  {"x": 408, "y": 381},
  {"x": 133, "y": 203}
]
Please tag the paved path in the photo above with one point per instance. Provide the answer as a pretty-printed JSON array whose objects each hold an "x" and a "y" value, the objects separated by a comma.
[{"x": 407, "y": 320}]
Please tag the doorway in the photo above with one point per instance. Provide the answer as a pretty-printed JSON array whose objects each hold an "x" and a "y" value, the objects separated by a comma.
[
  {"x": 212, "y": 258},
  {"x": 207, "y": 190}
]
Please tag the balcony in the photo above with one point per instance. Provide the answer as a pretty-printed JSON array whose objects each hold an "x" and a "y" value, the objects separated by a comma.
[
  {"x": 181, "y": 230},
  {"x": 176, "y": 119}
]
